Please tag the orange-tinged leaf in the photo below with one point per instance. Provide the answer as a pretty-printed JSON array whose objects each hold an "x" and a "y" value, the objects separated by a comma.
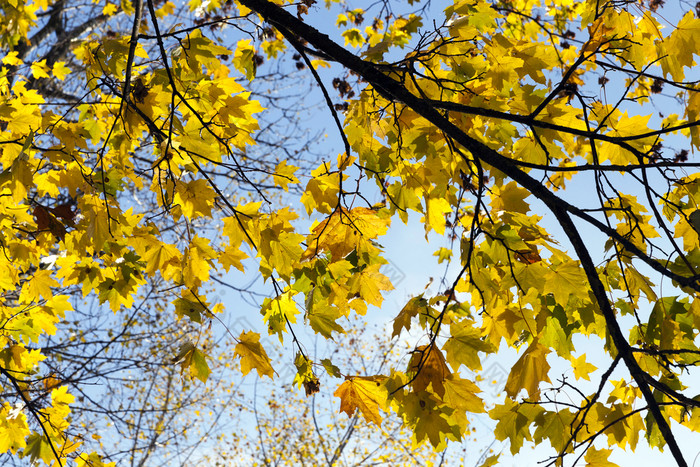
[
  {"x": 431, "y": 368},
  {"x": 412, "y": 309},
  {"x": 366, "y": 394},
  {"x": 253, "y": 355}
]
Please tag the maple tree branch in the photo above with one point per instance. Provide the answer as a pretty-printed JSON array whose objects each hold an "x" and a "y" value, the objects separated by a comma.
[
  {"x": 344, "y": 439},
  {"x": 629, "y": 168},
  {"x": 589, "y": 405},
  {"x": 133, "y": 42},
  {"x": 530, "y": 120},
  {"x": 324, "y": 446},
  {"x": 564, "y": 80},
  {"x": 257, "y": 421},
  {"x": 198, "y": 26},
  {"x": 623, "y": 347},
  {"x": 688, "y": 86},
  {"x": 660, "y": 221},
  {"x": 334, "y": 113}
]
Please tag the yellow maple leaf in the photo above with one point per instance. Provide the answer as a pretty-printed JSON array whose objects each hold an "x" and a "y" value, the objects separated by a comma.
[
  {"x": 461, "y": 393},
  {"x": 40, "y": 70},
  {"x": 197, "y": 261},
  {"x": 340, "y": 233},
  {"x": 566, "y": 279},
  {"x": 244, "y": 58},
  {"x": 109, "y": 9},
  {"x": 435, "y": 211},
  {"x": 38, "y": 287},
  {"x": 530, "y": 369},
  {"x": 464, "y": 345},
  {"x": 412, "y": 309},
  {"x": 160, "y": 254},
  {"x": 13, "y": 429},
  {"x": 284, "y": 175},
  {"x": 369, "y": 283},
  {"x": 232, "y": 256},
  {"x": 195, "y": 198},
  {"x": 92, "y": 460},
  {"x": 364, "y": 393},
  {"x": 11, "y": 59},
  {"x": 253, "y": 355},
  {"x": 598, "y": 458},
  {"x": 24, "y": 118},
  {"x": 321, "y": 192},
  {"x": 60, "y": 70},
  {"x": 510, "y": 198},
  {"x": 582, "y": 368}
]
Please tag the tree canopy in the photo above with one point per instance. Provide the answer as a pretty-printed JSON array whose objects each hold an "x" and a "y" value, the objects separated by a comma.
[{"x": 150, "y": 149}]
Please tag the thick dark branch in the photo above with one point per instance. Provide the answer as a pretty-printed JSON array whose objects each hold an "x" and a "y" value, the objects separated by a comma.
[{"x": 138, "y": 9}]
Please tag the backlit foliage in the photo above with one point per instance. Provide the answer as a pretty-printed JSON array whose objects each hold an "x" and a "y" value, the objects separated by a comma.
[{"x": 546, "y": 146}]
